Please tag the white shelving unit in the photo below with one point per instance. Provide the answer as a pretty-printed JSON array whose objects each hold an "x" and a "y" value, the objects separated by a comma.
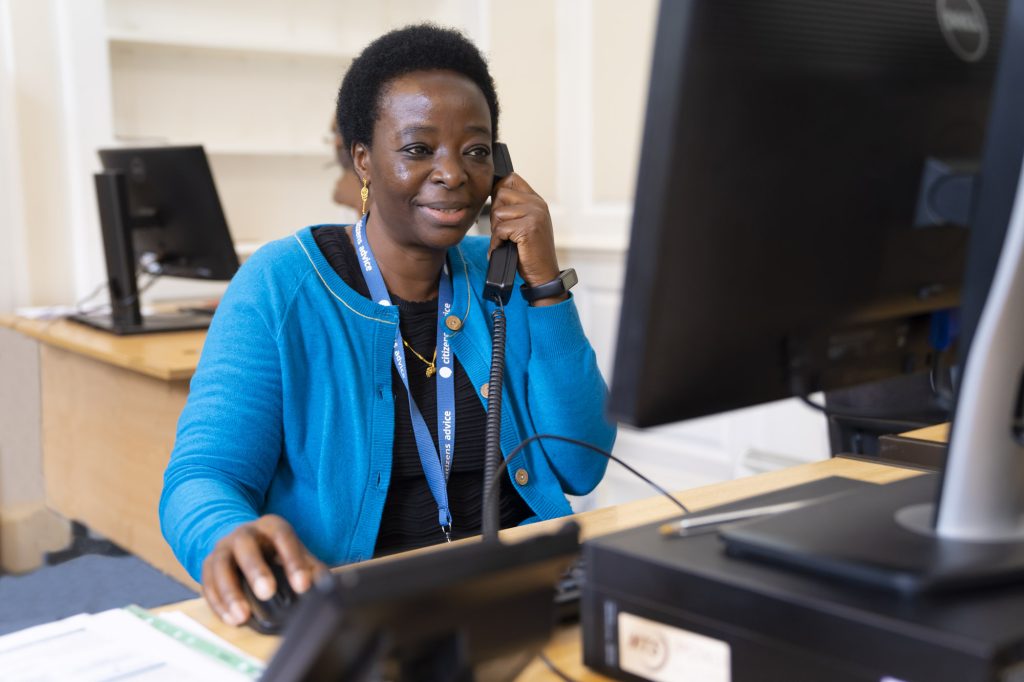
[
  {"x": 254, "y": 82},
  {"x": 230, "y": 44}
]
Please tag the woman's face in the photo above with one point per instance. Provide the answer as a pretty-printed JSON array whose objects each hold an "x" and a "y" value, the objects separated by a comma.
[{"x": 430, "y": 168}]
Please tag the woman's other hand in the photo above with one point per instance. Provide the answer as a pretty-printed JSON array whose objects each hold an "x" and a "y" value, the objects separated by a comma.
[
  {"x": 245, "y": 549},
  {"x": 520, "y": 215}
]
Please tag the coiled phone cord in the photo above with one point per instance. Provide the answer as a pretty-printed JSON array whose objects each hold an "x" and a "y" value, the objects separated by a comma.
[{"x": 492, "y": 438}]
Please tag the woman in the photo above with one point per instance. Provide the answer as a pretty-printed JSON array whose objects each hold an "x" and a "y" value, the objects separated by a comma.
[{"x": 299, "y": 437}]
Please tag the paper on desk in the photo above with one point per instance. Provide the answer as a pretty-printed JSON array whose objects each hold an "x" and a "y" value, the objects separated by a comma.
[
  {"x": 189, "y": 624},
  {"x": 49, "y": 312},
  {"x": 116, "y": 645},
  {"x": 53, "y": 312}
]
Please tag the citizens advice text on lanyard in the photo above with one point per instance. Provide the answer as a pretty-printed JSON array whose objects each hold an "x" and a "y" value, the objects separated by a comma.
[{"x": 435, "y": 467}]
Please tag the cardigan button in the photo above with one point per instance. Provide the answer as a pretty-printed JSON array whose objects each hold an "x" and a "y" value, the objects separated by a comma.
[
  {"x": 484, "y": 389},
  {"x": 453, "y": 323},
  {"x": 522, "y": 477}
]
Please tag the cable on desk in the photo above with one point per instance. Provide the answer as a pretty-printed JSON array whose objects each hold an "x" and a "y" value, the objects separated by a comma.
[
  {"x": 91, "y": 295},
  {"x": 491, "y": 510},
  {"x": 81, "y": 309},
  {"x": 553, "y": 668}
]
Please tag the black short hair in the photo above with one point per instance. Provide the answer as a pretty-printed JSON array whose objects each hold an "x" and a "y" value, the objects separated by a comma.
[{"x": 421, "y": 47}]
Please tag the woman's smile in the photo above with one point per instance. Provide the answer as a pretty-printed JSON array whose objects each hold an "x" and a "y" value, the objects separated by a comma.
[{"x": 445, "y": 215}]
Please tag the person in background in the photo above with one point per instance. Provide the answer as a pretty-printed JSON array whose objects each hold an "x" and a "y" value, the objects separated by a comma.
[
  {"x": 338, "y": 410},
  {"x": 346, "y": 187}
]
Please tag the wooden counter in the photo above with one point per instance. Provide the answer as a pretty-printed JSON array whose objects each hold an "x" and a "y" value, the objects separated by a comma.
[
  {"x": 109, "y": 408},
  {"x": 565, "y": 648},
  {"x": 170, "y": 356},
  {"x": 924, "y": 448},
  {"x": 935, "y": 434}
]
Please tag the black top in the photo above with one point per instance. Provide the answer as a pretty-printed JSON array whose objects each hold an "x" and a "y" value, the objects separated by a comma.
[{"x": 409, "y": 519}]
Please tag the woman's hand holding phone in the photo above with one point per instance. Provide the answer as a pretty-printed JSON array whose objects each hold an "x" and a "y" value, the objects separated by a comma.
[{"x": 520, "y": 215}]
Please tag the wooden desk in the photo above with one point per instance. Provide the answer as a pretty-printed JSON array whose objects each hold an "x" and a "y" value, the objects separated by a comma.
[
  {"x": 925, "y": 448},
  {"x": 109, "y": 408},
  {"x": 565, "y": 649},
  {"x": 934, "y": 434},
  {"x": 171, "y": 356}
]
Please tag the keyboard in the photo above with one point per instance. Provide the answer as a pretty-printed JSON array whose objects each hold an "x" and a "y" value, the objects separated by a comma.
[{"x": 568, "y": 591}]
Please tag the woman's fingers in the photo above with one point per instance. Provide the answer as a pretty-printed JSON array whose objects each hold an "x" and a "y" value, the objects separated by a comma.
[
  {"x": 299, "y": 565},
  {"x": 222, "y": 587},
  {"x": 520, "y": 215},
  {"x": 537, "y": 259},
  {"x": 246, "y": 550},
  {"x": 515, "y": 182},
  {"x": 210, "y": 592}
]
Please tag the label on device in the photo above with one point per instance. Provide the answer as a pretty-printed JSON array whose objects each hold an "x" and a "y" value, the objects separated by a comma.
[{"x": 663, "y": 653}]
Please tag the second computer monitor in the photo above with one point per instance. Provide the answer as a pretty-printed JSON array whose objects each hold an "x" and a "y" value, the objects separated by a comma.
[
  {"x": 159, "y": 214},
  {"x": 805, "y": 181},
  {"x": 171, "y": 191}
]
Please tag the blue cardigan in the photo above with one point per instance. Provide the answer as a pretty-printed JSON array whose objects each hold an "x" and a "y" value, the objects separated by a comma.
[{"x": 291, "y": 411}]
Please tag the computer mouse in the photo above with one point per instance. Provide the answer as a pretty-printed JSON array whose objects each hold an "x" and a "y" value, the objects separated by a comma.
[{"x": 270, "y": 616}]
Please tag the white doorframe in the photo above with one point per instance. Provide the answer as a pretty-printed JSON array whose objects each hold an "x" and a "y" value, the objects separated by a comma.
[
  {"x": 87, "y": 120},
  {"x": 14, "y": 282}
]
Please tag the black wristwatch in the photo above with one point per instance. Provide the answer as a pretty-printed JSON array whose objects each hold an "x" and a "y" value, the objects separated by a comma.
[{"x": 566, "y": 280}]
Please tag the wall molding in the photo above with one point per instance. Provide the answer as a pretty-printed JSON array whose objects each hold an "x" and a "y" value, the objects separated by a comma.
[
  {"x": 14, "y": 276},
  {"x": 86, "y": 117}
]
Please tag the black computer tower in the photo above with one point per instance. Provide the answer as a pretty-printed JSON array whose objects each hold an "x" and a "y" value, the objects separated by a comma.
[{"x": 680, "y": 609}]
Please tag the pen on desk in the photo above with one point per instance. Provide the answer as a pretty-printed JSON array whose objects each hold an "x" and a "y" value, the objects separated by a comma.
[{"x": 689, "y": 523}]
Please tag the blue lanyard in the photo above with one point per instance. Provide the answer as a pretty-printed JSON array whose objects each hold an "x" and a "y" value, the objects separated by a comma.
[{"x": 436, "y": 474}]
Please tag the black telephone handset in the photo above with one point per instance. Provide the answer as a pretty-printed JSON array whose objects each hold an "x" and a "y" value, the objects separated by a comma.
[{"x": 501, "y": 271}]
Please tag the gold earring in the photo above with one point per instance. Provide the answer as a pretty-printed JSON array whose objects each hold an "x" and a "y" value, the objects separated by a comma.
[{"x": 364, "y": 194}]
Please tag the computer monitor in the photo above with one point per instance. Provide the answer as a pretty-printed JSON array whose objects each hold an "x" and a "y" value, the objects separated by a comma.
[
  {"x": 475, "y": 610},
  {"x": 159, "y": 214},
  {"x": 808, "y": 186}
]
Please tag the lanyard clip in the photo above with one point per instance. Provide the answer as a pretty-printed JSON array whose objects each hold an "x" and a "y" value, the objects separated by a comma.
[{"x": 447, "y": 530}]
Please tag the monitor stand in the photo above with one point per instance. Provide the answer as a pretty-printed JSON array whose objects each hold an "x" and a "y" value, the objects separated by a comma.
[
  {"x": 969, "y": 532},
  {"x": 880, "y": 537},
  {"x": 147, "y": 324}
]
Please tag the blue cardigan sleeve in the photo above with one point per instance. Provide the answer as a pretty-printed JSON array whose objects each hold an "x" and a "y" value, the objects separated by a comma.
[
  {"x": 567, "y": 395},
  {"x": 229, "y": 436}
]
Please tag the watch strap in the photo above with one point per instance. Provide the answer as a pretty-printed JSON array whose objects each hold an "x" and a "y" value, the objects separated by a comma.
[{"x": 566, "y": 280}]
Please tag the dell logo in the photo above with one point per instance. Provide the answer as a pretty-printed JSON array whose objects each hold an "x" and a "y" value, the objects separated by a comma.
[{"x": 964, "y": 27}]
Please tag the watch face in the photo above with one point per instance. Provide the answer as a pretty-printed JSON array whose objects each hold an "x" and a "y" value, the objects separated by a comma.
[{"x": 569, "y": 278}]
